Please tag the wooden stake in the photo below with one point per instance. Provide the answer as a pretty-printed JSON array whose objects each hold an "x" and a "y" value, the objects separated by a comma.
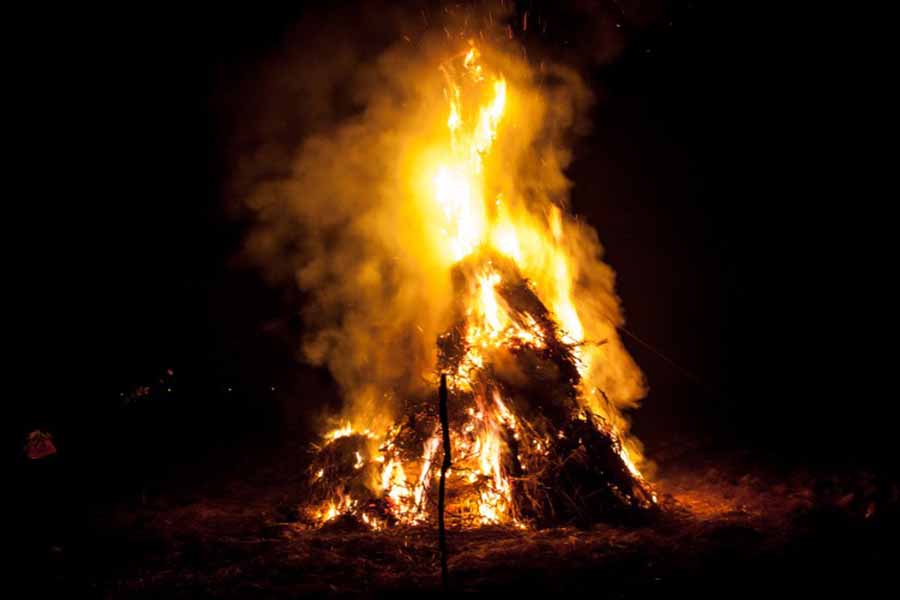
[{"x": 445, "y": 466}]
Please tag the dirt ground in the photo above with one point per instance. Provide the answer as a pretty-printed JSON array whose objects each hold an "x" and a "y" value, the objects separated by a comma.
[{"x": 729, "y": 528}]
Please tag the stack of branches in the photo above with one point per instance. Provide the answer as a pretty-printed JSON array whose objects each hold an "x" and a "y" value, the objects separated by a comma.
[
  {"x": 564, "y": 462},
  {"x": 580, "y": 479},
  {"x": 341, "y": 476}
]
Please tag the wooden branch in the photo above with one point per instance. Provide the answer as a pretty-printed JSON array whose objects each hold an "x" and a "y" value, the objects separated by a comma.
[{"x": 445, "y": 466}]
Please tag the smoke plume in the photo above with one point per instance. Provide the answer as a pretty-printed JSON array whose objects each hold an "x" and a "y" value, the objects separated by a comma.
[{"x": 335, "y": 168}]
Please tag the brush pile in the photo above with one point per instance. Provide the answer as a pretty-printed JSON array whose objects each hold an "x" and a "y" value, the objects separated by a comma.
[{"x": 526, "y": 451}]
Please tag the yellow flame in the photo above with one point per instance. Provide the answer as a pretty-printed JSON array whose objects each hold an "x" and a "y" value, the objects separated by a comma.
[{"x": 458, "y": 181}]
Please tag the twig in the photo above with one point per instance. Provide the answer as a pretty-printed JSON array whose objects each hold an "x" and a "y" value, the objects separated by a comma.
[{"x": 445, "y": 427}]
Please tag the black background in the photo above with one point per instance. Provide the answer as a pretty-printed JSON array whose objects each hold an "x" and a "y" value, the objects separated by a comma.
[{"x": 718, "y": 153}]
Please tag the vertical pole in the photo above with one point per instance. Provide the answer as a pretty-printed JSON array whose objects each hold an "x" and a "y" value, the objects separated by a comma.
[{"x": 445, "y": 427}]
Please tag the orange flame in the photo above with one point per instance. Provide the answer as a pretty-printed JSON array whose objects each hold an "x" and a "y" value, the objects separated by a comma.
[{"x": 475, "y": 213}]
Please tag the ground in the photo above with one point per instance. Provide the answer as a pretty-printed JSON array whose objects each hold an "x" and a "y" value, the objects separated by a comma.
[{"x": 730, "y": 527}]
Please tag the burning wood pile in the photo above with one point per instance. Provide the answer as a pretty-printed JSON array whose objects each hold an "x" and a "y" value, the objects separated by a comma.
[
  {"x": 526, "y": 449},
  {"x": 525, "y": 333}
]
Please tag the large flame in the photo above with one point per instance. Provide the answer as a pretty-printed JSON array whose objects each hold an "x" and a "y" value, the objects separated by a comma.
[{"x": 470, "y": 208}]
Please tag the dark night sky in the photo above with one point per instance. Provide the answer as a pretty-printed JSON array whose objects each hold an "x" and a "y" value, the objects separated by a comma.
[{"x": 698, "y": 176}]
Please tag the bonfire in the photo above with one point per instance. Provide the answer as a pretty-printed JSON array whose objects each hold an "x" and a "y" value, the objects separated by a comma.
[{"x": 534, "y": 442}]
